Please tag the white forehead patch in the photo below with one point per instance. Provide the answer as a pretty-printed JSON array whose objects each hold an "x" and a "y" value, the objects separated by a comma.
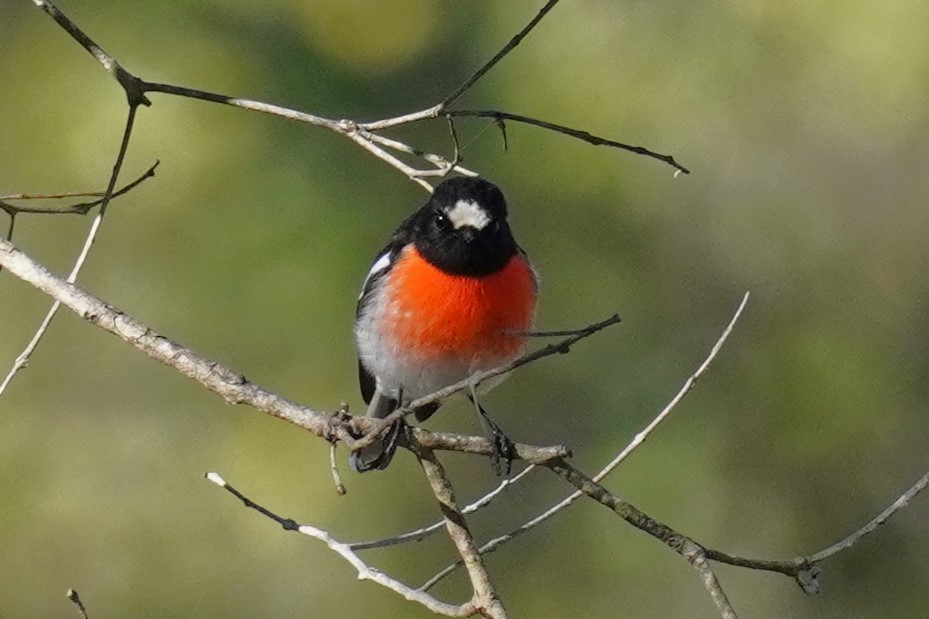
[{"x": 468, "y": 213}]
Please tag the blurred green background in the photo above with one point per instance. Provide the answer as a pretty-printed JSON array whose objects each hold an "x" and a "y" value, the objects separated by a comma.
[{"x": 805, "y": 126}]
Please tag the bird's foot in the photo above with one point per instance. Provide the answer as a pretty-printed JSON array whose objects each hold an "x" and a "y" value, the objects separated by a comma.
[{"x": 504, "y": 450}]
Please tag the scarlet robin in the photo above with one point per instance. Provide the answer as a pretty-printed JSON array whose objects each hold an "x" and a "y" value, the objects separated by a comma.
[{"x": 450, "y": 295}]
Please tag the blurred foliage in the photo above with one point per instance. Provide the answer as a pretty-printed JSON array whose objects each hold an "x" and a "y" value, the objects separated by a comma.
[{"x": 804, "y": 125}]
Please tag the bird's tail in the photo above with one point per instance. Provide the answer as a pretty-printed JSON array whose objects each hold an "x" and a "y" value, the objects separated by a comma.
[{"x": 377, "y": 455}]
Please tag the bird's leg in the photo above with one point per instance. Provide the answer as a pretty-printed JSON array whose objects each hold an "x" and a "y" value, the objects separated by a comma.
[
  {"x": 397, "y": 429},
  {"x": 504, "y": 450},
  {"x": 392, "y": 438}
]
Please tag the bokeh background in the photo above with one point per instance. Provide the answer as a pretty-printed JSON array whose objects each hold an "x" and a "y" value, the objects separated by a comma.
[{"x": 805, "y": 126}]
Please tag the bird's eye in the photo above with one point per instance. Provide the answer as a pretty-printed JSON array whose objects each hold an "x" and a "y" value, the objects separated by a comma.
[{"x": 441, "y": 221}]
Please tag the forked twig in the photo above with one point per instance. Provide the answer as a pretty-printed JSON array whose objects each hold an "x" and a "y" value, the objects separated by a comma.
[
  {"x": 23, "y": 359},
  {"x": 79, "y": 208},
  {"x": 510, "y": 46},
  {"x": 693, "y": 552},
  {"x": 805, "y": 569}
]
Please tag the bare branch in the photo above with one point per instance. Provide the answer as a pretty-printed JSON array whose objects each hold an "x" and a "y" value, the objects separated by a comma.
[
  {"x": 805, "y": 569},
  {"x": 423, "y": 533},
  {"x": 23, "y": 359},
  {"x": 681, "y": 544},
  {"x": 232, "y": 386},
  {"x": 485, "y": 600},
  {"x": 562, "y": 347},
  {"x": 135, "y": 93},
  {"x": 689, "y": 384},
  {"x": 516, "y": 40},
  {"x": 493, "y": 544},
  {"x": 580, "y": 134},
  {"x": 80, "y": 208},
  {"x": 364, "y": 571},
  {"x": 359, "y": 132}
]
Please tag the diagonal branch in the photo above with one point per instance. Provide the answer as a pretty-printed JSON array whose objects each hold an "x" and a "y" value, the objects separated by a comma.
[
  {"x": 365, "y": 572},
  {"x": 485, "y": 600},
  {"x": 423, "y": 533},
  {"x": 639, "y": 438},
  {"x": 516, "y": 40},
  {"x": 580, "y": 134},
  {"x": 681, "y": 544},
  {"x": 230, "y": 385},
  {"x": 805, "y": 569},
  {"x": 137, "y": 88},
  {"x": 23, "y": 359},
  {"x": 562, "y": 347}
]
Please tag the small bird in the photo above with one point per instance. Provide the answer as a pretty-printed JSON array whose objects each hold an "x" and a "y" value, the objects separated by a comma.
[{"x": 450, "y": 295}]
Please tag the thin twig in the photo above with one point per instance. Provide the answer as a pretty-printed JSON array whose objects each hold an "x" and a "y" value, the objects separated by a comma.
[
  {"x": 23, "y": 359},
  {"x": 440, "y": 162},
  {"x": 575, "y": 133},
  {"x": 132, "y": 86},
  {"x": 364, "y": 571},
  {"x": 872, "y": 525},
  {"x": 76, "y": 600},
  {"x": 805, "y": 569},
  {"x": 423, "y": 533},
  {"x": 693, "y": 552},
  {"x": 492, "y": 544},
  {"x": 136, "y": 90},
  {"x": 516, "y": 40},
  {"x": 476, "y": 379},
  {"x": 80, "y": 208}
]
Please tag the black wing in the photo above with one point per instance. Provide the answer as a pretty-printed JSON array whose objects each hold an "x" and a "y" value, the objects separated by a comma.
[{"x": 400, "y": 239}]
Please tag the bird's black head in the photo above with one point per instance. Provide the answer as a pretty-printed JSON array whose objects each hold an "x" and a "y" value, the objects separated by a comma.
[{"x": 462, "y": 229}]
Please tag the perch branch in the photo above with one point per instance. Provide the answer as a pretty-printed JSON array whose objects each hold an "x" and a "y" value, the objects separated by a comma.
[
  {"x": 562, "y": 347},
  {"x": 230, "y": 385}
]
